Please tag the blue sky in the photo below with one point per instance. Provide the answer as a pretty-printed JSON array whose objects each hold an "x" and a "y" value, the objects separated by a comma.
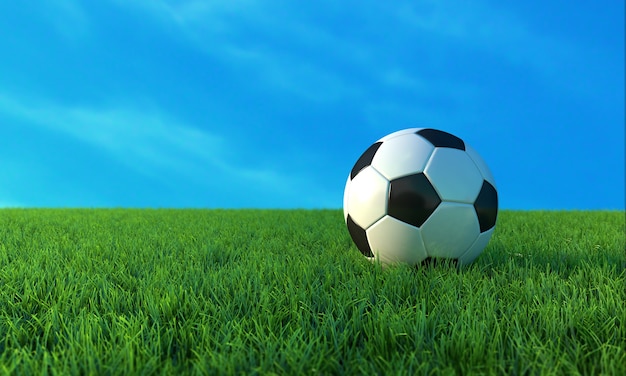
[{"x": 268, "y": 104}]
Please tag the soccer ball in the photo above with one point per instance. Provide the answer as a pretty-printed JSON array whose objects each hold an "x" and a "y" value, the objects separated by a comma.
[{"x": 420, "y": 194}]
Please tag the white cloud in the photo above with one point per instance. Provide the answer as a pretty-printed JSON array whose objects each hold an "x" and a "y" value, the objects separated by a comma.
[
  {"x": 241, "y": 32},
  {"x": 67, "y": 17},
  {"x": 151, "y": 143},
  {"x": 234, "y": 32},
  {"x": 486, "y": 28},
  {"x": 193, "y": 17},
  {"x": 294, "y": 75}
]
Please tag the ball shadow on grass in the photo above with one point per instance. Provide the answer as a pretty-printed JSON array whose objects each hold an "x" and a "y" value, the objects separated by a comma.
[{"x": 435, "y": 262}]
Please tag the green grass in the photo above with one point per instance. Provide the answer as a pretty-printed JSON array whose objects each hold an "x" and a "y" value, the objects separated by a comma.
[{"x": 205, "y": 292}]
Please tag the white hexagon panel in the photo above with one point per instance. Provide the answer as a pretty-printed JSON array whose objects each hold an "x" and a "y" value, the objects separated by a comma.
[
  {"x": 451, "y": 230},
  {"x": 394, "y": 241},
  {"x": 403, "y": 155},
  {"x": 367, "y": 199},
  {"x": 454, "y": 175},
  {"x": 480, "y": 163},
  {"x": 398, "y": 133},
  {"x": 346, "y": 192},
  {"x": 476, "y": 248}
]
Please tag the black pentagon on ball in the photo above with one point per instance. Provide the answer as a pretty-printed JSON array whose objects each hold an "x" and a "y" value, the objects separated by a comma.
[
  {"x": 359, "y": 236},
  {"x": 486, "y": 206},
  {"x": 412, "y": 199},
  {"x": 442, "y": 139},
  {"x": 365, "y": 159}
]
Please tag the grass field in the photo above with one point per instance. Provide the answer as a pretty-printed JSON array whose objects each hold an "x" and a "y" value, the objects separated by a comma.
[{"x": 120, "y": 292}]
